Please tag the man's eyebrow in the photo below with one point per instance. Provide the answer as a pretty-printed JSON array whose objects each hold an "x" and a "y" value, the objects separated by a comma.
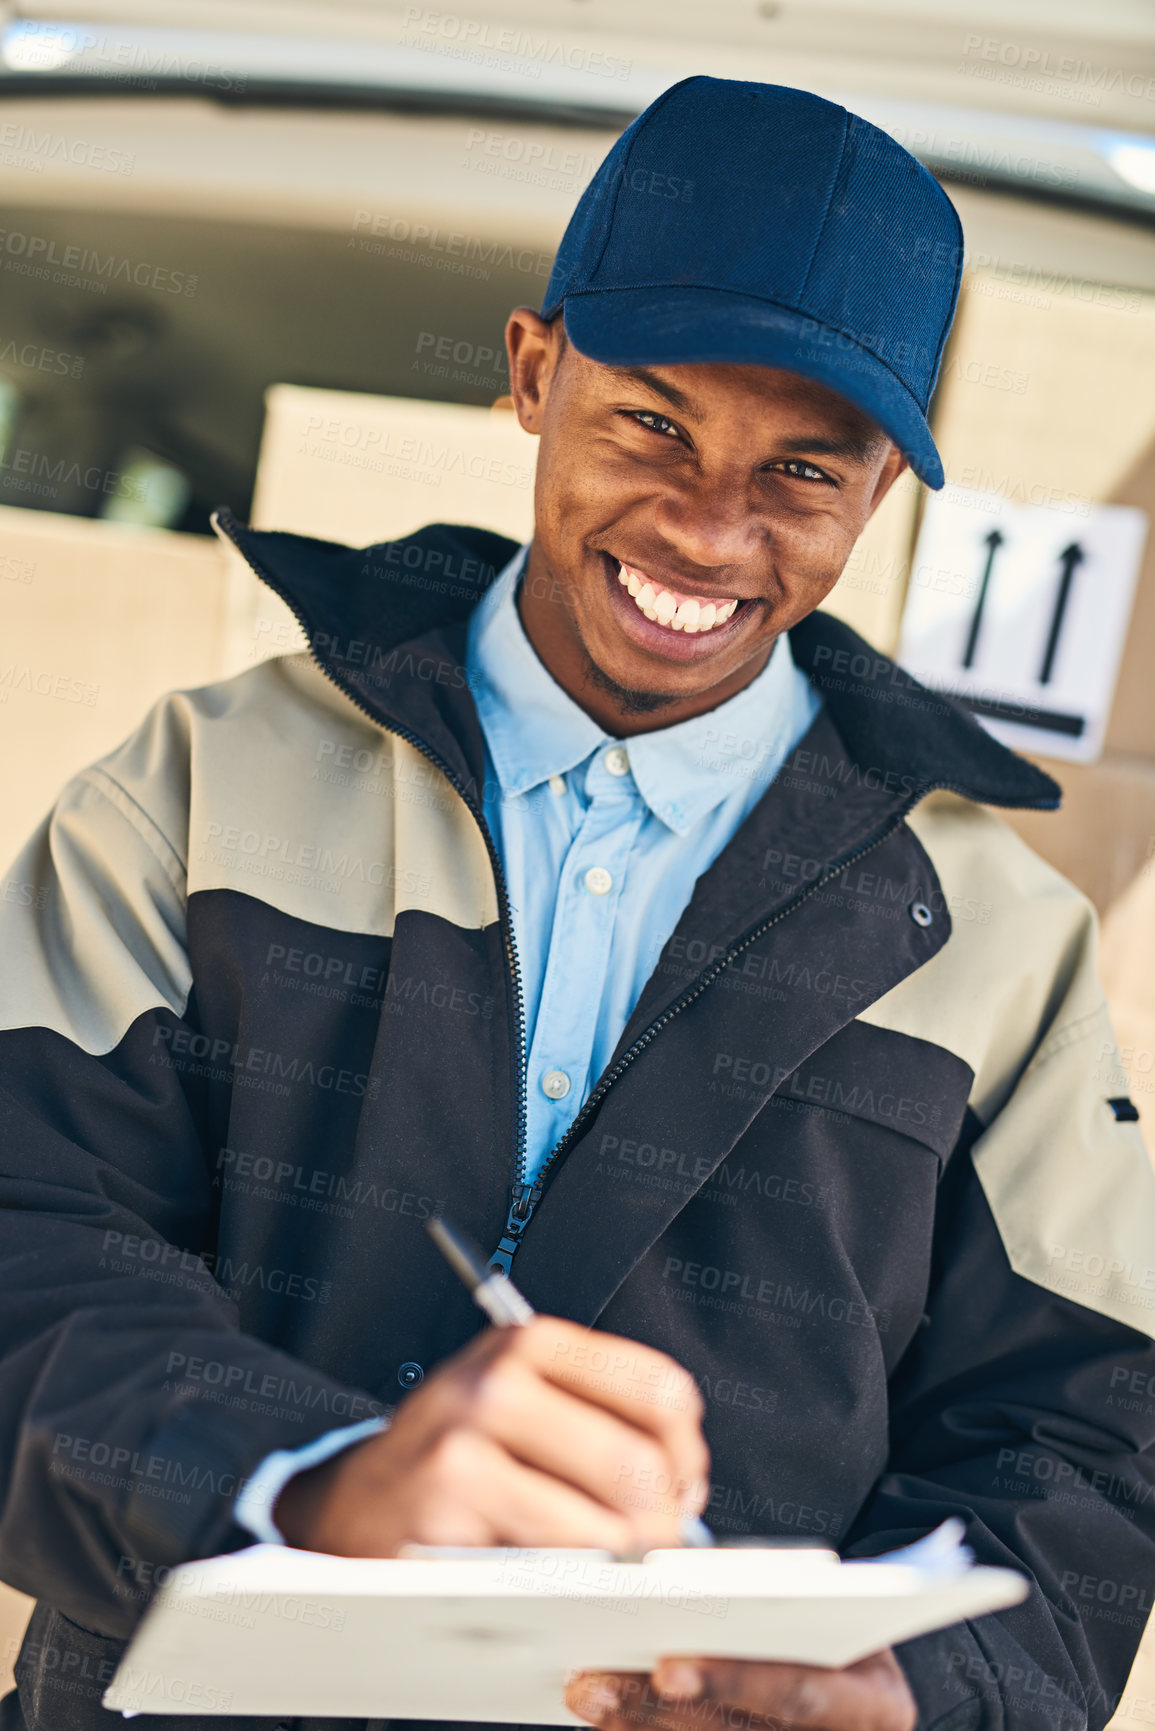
[
  {"x": 644, "y": 376},
  {"x": 857, "y": 450}
]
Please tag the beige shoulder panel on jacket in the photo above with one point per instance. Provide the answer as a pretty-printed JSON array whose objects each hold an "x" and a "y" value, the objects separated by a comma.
[
  {"x": 271, "y": 783},
  {"x": 299, "y": 799},
  {"x": 1016, "y": 993},
  {"x": 92, "y": 919}
]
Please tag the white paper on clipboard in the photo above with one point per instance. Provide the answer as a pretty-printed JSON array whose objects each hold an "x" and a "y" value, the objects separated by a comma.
[{"x": 493, "y": 1636}]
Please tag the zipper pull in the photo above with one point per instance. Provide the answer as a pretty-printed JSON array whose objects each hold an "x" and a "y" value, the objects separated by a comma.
[{"x": 525, "y": 1200}]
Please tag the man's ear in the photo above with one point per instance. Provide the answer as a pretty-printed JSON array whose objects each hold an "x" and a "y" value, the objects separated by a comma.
[{"x": 534, "y": 349}]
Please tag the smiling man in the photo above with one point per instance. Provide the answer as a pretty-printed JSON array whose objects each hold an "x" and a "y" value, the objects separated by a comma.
[
  {"x": 688, "y": 516},
  {"x": 604, "y": 893}
]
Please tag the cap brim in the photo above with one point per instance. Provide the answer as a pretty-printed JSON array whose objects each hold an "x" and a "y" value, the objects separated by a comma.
[{"x": 665, "y": 326}]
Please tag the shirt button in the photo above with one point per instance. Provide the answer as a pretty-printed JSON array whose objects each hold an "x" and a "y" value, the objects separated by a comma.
[
  {"x": 555, "y": 1083},
  {"x": 598, "y": 881},
  {"x": 557, "y": 784},
  {"x": 410, "y": 1374},
  {"x": 618, "y": 760}
]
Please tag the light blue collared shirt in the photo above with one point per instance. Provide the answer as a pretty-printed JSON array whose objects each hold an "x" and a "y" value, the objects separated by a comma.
[{"x": 602, "y": 841}]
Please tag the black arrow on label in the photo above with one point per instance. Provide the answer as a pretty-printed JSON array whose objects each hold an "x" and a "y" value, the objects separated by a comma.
[
  {"x": 1068, "y": 559},
  {"x": 992, "y": 542}
]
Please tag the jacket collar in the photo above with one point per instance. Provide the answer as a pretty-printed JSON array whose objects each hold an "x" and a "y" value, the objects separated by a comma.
[{"x": 387, "y": 623}]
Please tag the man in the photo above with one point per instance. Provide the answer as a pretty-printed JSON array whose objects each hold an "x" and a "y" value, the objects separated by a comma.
[{"x": 604, "y": 894}]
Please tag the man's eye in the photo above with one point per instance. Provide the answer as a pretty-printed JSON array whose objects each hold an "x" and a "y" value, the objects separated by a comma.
[
  {"x": 656, "y": 423},
  {"x": 800, "y": 471}
]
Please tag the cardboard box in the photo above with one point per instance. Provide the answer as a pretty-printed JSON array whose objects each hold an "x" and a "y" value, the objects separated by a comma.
[{"x": 99, "y": 619}]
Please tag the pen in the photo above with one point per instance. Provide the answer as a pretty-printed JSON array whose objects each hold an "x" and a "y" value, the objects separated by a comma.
[
  {"x": 494, "y": 1293},
  {"x": 505, "y": 1307}
]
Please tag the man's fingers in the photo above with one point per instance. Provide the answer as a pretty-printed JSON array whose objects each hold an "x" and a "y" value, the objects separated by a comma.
[
  {"x": 628, "y": 1701},
  {"x": 513, "y": 1504},
  {"x": 872, "y": 1695},
  {"x": 465, "y": 1489},
  {"x": 617, "y": 1701},
  {"x": 643, "y": 1387},
  {"x": 686, "y": 1694},
  {"x": 584, "y": 1445}
]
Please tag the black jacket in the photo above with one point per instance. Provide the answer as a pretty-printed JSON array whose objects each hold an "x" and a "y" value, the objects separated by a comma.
[{"x": 858, "y": 1160}]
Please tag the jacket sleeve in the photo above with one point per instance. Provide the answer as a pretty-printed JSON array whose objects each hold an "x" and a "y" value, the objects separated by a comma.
[
  {"x": 109, "y": 1464},
  {"x": 1026, "y": 1403}
]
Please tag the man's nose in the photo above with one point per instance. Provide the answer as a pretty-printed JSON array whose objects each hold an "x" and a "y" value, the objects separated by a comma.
[{"x": 710, "y": 524}]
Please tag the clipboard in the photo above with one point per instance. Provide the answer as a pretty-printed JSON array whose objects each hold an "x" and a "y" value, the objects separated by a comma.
[{"x": 493, "y": 1635}]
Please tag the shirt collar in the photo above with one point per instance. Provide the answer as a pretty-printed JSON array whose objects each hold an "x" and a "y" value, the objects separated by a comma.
[{"x": 535, "y": 729}]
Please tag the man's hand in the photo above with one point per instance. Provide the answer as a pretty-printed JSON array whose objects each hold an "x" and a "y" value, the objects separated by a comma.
[
  {"x": 549, "y": 1434},
  {"x": 696, "y": 1694}
]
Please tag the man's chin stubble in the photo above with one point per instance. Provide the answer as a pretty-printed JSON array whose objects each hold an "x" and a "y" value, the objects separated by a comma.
[{"x": 630, "y": 702}]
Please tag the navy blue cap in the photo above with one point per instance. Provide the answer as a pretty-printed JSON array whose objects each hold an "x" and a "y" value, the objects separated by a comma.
[{"x": 755, "y": 223}]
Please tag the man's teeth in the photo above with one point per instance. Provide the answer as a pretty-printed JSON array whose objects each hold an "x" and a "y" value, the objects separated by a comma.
[{"x": 688, "y": 614}]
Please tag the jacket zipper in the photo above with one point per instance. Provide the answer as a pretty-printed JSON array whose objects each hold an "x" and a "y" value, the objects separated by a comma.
[
  {"x": 522, "y": 1211},
  {"x": 526, "y": 1196}
]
